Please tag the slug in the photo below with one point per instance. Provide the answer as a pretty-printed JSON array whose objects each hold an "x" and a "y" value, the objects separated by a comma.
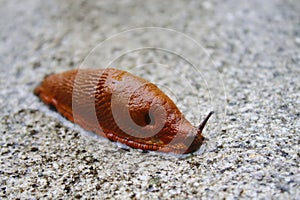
[{"x": 121, "y": 107}]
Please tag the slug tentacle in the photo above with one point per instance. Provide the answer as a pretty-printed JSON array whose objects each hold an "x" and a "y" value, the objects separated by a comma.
[
  {"x": 203, "y": 123},
  {"x": 121, "y": 107}
]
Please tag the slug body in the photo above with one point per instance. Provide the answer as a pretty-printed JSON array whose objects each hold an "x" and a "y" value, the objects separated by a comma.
[{"x": 121, "y": 107}]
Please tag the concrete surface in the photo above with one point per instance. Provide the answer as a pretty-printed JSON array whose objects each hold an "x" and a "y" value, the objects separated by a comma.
[{"x": 253, "y": 149}]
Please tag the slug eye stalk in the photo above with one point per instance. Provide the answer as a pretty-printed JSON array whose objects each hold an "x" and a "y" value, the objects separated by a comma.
[{"x": 203, "y": 123}]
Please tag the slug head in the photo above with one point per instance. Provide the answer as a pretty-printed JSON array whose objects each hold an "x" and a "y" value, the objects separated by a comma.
[{"x": 196, "y": 135}]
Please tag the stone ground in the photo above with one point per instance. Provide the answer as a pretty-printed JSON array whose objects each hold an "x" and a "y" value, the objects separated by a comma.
[{"x": 253, "y": 146}]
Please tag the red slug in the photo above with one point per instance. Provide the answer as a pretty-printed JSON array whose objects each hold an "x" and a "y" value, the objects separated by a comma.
[{"x": 121, "y": 107}]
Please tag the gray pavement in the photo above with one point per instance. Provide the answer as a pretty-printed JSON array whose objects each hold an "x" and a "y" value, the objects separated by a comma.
[{"x": 253, "y": 142}]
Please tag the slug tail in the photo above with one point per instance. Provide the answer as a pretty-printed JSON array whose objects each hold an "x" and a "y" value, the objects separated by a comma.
[{"x": 203, "y": 123}]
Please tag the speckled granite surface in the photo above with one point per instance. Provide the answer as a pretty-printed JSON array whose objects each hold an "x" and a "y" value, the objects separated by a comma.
[{"x": 252, "y": 149}]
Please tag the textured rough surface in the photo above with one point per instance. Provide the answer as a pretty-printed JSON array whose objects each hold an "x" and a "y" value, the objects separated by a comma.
[{"x": 252, "y": 153}]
